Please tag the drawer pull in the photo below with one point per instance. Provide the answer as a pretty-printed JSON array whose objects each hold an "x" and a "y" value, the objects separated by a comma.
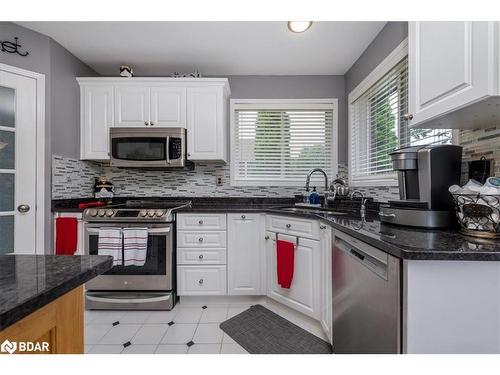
[
  {"x": 200, "y": 282},
  {"x": 200, "y": 222},
  {"x": 243, "y": 217},
  {"x": 266, "y": 238},
  {"x": 322, "y": 227},
  {"x": 288, "y": 226},
  {"x": 200, "y": 239},
  {"x": 200, "y": 257}
]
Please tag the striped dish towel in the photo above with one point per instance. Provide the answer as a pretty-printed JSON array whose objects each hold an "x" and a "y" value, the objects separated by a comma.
[
  {"x": 135, "y": 244},
  {"x": 110, "y": 243}
]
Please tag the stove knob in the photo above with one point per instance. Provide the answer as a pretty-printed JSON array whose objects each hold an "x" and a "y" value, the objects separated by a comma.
[
  {"x": 109, "y": 213},
  {"x": 143, "y": 213},
  {"x": 101, "y": 213},
  {"x": 151, "y": 213},
  {"x": 159, "y": 213},
  {"x": 92, "y": 212}
]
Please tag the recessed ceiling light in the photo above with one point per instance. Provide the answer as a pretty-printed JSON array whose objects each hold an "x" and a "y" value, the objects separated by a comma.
[{"x": 299, "y": 26}]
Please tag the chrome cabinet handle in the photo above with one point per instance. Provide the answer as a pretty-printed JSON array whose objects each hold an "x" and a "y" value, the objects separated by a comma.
[
  {"x": 408, "y": 116},
  {"x": 266, "y": 238},
  {"x": 200, "y": 239},
  {"x": 200, "y": 257},
  {"x": 288, "y": 226},
  {"x": 200, "y": 222},
  {"x": 322, "y": 227},
  {"x": 151, "y": 123},
  {"x": 23, "y": 208},
  {"x": 200, "y": 282},
  {"x": 243, "y": 217},
  {"x": 146, "y": 123}
]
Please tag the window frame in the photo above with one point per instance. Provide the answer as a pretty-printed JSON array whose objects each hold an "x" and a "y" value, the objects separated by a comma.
[
  {"x": 273, "y": 103},
  {"x": 399, "y": 53}
]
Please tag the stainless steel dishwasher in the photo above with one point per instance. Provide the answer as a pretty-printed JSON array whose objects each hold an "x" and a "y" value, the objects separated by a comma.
[{"x": 366, "y": 298}]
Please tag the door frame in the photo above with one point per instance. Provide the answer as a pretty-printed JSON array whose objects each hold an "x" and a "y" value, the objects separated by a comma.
[{"x": 40, "y": 152}]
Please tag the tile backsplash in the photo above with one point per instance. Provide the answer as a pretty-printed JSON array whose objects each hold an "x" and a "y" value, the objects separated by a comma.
[{"x": 73, "y": 178}]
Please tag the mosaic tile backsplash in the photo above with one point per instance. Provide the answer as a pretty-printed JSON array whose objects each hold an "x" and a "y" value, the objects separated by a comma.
[{"x": 73, "y": 178}]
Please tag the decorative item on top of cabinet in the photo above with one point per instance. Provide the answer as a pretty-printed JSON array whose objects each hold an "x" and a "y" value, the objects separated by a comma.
[
  {"x": 468, "y": 95},
  {"x": 126, "y": 71}
]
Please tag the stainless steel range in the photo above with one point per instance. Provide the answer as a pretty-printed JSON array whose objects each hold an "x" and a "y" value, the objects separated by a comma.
[{"x": 147, "y": 287}]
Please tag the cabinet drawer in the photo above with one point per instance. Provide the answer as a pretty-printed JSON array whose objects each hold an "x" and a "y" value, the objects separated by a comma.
[
  {"x": 200, "y": 239},
  {"x": 201, "y": 280},
  {"x": 201, "y": 221},
  {"x": 201, "y": 256},
  {"x": 293, "y": 226}
]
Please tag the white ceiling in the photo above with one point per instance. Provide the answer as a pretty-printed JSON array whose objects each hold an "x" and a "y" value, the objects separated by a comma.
[{"x": 214, "y": 48}]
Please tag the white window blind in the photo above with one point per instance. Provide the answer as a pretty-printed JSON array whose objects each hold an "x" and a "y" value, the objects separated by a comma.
[
  {"x": 378, "y": 127},
  {"x": 277, "y": 144}
]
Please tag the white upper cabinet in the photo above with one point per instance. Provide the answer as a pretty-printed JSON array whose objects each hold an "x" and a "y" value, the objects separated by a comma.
[
  {"x": 198, "y": 104},
  {"x": 168, "y": 106},
  {"x": 245, "y": 243},
  {"x": 132, "y": 106},
  {"x": 96, "y": 118},
  {"x": 206, "y": 123},
  {"x": 453, "y": 74}
]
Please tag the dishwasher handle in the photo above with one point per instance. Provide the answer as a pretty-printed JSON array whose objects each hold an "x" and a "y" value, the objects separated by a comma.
[
  {"x": 375, "y": 265},
  {"x": 357, "y": 254}
]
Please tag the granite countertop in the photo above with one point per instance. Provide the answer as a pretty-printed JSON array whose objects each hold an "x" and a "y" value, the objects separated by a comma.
[
  {"x": 402, "y": 242},
  {"x": 29, "y": 282}
]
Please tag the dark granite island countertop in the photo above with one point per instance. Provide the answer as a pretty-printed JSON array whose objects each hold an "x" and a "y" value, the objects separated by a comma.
[{"x": 29, "y": 282}]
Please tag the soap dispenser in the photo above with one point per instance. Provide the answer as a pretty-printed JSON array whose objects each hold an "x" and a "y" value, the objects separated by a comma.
[{"x": 314, "y": 196}]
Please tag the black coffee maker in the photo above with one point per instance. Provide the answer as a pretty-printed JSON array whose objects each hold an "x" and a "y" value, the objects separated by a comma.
[{"x": 425, "y": 173}]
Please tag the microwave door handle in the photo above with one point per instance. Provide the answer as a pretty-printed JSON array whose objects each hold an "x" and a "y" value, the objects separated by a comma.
[{"x": 167, "y": 150}]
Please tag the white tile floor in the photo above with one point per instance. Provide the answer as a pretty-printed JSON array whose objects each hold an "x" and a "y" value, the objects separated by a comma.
[{"x": 150, "y": 332}]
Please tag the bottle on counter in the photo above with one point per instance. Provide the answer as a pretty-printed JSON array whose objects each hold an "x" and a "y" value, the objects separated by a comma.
[
  {"x": 305, "y": 196},
  {"x": 314, "y": 196}
]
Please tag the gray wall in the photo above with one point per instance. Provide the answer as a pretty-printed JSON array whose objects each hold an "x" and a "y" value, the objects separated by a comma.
[
  {"x": 61, "y": 96},
  {"x": 296, "y": 87},
  {"x": 65, "y": 100}
]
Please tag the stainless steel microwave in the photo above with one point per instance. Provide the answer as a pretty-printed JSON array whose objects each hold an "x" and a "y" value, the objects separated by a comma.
[{"x": 148, "y": 148}]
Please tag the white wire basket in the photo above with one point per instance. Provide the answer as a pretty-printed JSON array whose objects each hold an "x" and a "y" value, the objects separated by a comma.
[{"x": 478, "y": 214}]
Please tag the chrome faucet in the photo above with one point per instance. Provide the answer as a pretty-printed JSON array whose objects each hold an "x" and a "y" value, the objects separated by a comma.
[
  {"x": 308, "y": 181},
  {"x": 363, "y": 201}
]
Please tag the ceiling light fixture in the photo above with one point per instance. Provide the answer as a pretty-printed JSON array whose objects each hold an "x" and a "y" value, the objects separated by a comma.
[{"x": 299, "y": 26}]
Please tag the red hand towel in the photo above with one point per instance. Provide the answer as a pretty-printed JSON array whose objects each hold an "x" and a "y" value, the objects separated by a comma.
[
  {"x": 285, "y": 252},
  {"x": 66, "y": 235}
]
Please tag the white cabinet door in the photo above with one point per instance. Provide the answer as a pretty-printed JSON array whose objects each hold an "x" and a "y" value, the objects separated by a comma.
[
  {"x": 96, "y": 119},
  {"x": 304, "y": 292},
  {"x": 206, "y": 133},
  {"x": 132, "y": 106},
  {"x": 244, "y": 243},
  {"x": 326, "y": 280},
  {"x": 168, "y": 106},
  {"x": 450, "y": 66}
]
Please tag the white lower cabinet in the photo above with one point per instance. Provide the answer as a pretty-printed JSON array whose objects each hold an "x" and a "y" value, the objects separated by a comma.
[
  {"x": 326, "y": 317},
  {"x": 244, "y": 254},
  {"x": 304, "y": 292},
  {"x": 201, "y": 280}
]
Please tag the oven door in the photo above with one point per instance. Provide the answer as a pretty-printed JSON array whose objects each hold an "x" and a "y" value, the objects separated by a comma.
[{"x": 157, "y": 272}]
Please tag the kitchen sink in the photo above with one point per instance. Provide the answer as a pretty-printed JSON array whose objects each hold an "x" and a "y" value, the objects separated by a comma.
[{"x": 312, "y": 210}]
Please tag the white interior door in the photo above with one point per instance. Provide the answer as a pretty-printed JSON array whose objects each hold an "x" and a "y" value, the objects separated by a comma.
[{"x": 17, "y": 163}]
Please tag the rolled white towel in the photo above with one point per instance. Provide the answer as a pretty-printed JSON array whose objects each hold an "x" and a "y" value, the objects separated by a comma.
[{"x": 471, "y": 187}]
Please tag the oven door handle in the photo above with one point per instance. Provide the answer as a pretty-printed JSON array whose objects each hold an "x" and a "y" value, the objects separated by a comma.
[
  {"x": 128, "y": 300},
  {"x": 167, "y": 150},
  {"x": 150, "y": 230}
]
